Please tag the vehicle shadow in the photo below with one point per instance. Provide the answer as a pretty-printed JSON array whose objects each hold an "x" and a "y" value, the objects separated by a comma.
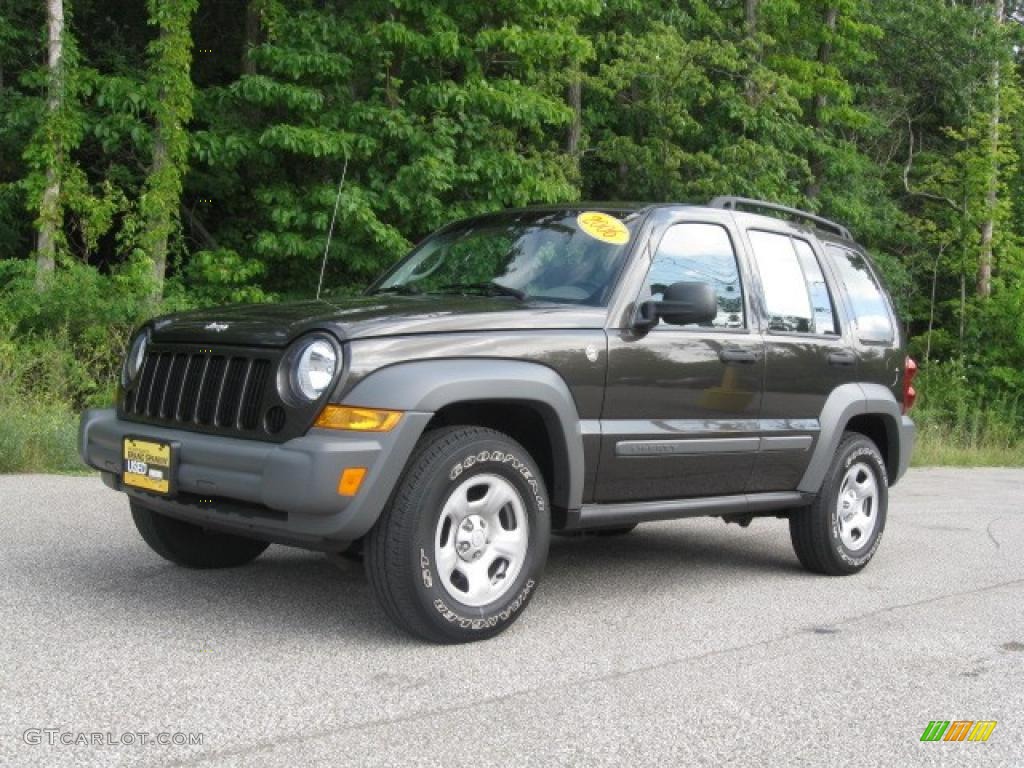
[
  {"x": 289, "y": 593},
  {"x": 676, "y": 553}
]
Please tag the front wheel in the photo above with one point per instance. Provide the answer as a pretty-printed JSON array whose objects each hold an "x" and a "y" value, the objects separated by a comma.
[
  {"x": 459, "y": 550},
  {"x": 840, "y": 532},
  {"x": 191, "y": 545}
]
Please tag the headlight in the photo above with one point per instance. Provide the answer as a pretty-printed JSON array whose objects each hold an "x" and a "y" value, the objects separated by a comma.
[
  {"x": 136, "y": 356},
  {"x": 314, "y": 369}
]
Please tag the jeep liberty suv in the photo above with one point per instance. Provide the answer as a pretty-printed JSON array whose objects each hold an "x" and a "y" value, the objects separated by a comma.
[{"x": 537, "y": 371}]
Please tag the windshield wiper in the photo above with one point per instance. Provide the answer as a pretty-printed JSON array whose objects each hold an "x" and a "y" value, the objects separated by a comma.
[
  {"x": 489, "y": 288},
  {"x": 399, "y": 290}
]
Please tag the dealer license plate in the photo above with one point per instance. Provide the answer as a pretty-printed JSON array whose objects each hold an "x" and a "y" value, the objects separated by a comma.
[{"x": 149, "y": 465}]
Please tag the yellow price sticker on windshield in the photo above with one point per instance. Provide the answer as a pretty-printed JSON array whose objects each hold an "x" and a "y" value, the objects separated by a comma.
[{"x": 603, "y": 227}]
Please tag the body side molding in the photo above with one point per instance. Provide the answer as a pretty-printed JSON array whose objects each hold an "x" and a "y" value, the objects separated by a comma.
[
  {"x": 690, "y": 446},
  {"x": 656, "y": 448}
]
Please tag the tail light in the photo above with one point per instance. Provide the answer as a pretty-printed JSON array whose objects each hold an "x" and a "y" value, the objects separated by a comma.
[{"x": 909, "y": 393}]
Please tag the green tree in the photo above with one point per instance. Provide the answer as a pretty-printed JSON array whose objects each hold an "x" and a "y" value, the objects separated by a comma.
[
  {"x": 439, "y": 109},
  {"x": 193, "y": 148},
  {"x": 170, "y": 81},
  {"x": 51, "y": 144}
]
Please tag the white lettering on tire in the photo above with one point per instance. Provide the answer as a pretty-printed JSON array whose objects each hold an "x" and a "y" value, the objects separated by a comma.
[
  {"x": 428, "y": 580},
  {"x": 503, "y": 458},
  {"x": 465, "y": 622},
  {"x": 518, "y": 465},
  {"x": 883, "y": 478}
]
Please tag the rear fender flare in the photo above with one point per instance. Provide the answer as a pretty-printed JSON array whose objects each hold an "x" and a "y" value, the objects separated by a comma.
[{"x": 845, "y": 402}]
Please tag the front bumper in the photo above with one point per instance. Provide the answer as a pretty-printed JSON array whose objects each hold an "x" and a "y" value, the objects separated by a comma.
[{"x": 285, "y": 492}]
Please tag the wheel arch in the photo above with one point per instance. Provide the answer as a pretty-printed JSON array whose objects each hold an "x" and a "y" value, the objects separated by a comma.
[
  {"x": 871, "y": 410},
  {"x": 883, "y": 431},
  {"x": 514, "y": 397},
  {"x": 529, "y": 423}
]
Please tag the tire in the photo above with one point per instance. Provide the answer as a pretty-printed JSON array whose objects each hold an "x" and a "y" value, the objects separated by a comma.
[
  {"x": 840, "y": 532},
  {"x": 600, "y": 532},
  {"x": 434, "y": 576},
  {"x": 190, "y": 545}
]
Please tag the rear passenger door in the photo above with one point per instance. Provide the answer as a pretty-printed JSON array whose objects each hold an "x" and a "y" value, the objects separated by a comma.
[{"x": 807, "y": 353}]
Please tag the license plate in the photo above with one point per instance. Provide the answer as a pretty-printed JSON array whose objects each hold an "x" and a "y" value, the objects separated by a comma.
[{"x": 148, "y": 465}]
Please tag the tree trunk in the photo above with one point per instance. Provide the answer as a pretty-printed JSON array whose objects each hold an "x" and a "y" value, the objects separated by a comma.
[
  {"x": 160, "y": 221},
  {"x": 751, "y": 11},
  {"x": 751, "y": 8},
  {"x": 931, "y": 306},
  {"x": 817, "y": 160},
  {"x": 253, "y": 35},
  {"x": 984, "y": 286},
  {"x": 575, "y": 99},
  {"x": 206, "y": 240},
  {"x": 170, "y": 71},
  {"x": 49, "y": 208}
]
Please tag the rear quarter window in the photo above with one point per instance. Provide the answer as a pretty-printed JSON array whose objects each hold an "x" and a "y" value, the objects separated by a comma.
[{"x": 872, "y": 317}]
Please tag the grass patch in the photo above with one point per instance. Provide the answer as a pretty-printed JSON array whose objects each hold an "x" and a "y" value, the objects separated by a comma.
[
  {"x": 962, "y": 426},
  {"x": 939, "y": 447},
  {"x": 38, "y": 437}
]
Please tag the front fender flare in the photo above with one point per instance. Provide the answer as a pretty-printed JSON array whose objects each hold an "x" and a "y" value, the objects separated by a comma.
[{"x": 430, "y": 385}]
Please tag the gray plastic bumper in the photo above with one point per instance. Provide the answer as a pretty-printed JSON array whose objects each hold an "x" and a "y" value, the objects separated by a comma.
[
  {"x": 284, "y": 492},
  {"x": 908, "y": 436}
]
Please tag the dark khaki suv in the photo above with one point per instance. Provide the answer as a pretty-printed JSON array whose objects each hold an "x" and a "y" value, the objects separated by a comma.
[{"x": 548, "y": 370}]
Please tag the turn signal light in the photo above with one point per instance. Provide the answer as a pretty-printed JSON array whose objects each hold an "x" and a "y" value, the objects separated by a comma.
[
  {"x": 350, "y": 480},
  {"x": 357, "y": 419}
]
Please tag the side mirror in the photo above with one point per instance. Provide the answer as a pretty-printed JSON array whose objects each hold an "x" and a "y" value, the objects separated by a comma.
[{"x": 682, "y": 304}]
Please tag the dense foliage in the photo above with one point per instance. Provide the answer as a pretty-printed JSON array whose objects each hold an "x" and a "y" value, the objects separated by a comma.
[{"x": 179, "y": 152}]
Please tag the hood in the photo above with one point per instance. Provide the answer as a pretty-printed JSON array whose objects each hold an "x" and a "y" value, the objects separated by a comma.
[{"x": 275, "y": 325}]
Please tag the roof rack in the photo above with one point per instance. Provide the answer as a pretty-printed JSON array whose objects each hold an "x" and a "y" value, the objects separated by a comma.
[{"x": 736, "y": 203}]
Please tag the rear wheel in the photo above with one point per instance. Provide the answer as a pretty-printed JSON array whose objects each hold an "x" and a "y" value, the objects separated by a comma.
[
  {"x": 840, "y": 532},
  {"x": 190, "y": 545},
  {"x": 460, "y": 548}
]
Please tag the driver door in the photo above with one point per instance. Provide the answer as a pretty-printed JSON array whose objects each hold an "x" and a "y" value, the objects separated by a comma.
[{"x": 681, "y": 409}]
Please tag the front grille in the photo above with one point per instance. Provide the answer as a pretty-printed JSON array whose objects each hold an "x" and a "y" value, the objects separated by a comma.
[{"x": 212, "y": 389}]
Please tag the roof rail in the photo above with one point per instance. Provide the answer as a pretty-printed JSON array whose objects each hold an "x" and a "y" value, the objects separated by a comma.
[{"x": 736, "y": 203}]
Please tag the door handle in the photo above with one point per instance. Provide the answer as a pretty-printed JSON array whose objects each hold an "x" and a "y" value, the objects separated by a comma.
[
  {"x": 736, "y": 355},
  {"x": 842, "y": 358}
]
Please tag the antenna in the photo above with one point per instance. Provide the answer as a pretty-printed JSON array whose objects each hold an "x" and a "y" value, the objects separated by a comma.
[{"x": 330, "y": 231}]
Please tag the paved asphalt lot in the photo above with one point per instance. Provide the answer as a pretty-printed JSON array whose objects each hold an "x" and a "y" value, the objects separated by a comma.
[{"x": 685, "y": 643}]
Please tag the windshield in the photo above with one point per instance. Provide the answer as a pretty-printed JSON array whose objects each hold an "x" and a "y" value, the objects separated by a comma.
[{"x": 561, "y": 256}]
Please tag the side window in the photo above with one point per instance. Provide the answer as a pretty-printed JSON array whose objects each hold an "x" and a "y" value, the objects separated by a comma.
[
  {"x": 795, "y": 292},
  {"x": 702, "y": 253},
  {"x": 821, "y": 301},
  {"x": 785, "y": 290},
  {"x": 870, "y": 309}
]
